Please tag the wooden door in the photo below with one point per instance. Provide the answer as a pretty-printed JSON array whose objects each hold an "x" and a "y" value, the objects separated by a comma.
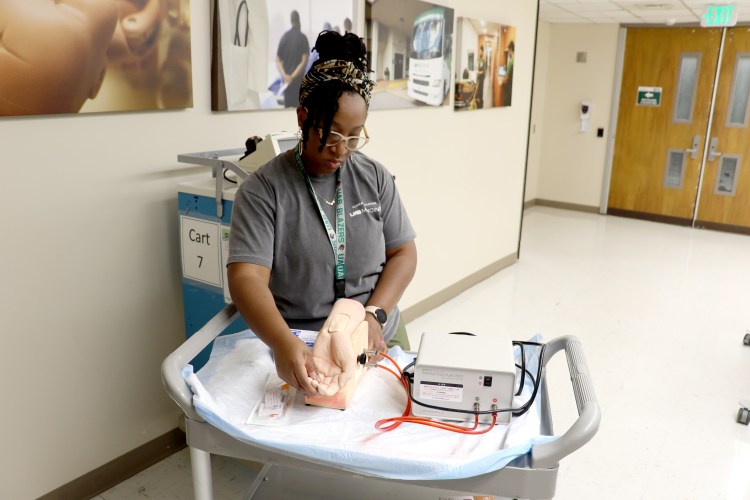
[
  {"x": 725, "y": 190},
  {"x": 667, "y": 81}
]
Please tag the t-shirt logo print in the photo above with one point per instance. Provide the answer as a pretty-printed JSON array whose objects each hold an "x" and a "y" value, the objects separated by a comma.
[{"x": 364, "y": 208}]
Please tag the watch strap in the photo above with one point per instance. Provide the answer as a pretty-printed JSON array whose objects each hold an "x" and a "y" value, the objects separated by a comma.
[{"x": 377, "y": 312}]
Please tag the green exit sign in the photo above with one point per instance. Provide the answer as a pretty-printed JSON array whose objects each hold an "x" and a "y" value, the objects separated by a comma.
[{"x": 719, "y": 16}]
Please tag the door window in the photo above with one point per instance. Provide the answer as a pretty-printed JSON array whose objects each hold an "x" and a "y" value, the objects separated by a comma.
[
  {"x": 737, "y": 114},
  {"x": 686, "y": 85}
]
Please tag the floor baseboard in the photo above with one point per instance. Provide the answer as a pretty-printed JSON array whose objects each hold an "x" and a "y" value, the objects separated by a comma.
[
  {"x": 121, "y": 468},
  {"x": 560, "y": 204},
  {"x": 634, "y": 214}
]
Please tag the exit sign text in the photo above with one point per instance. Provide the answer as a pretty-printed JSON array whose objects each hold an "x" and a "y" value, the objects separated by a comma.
[{"x": 719, "y": 16}]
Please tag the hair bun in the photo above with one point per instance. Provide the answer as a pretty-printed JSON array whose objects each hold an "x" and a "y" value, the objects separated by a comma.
[{"x": 349, "y": 47}]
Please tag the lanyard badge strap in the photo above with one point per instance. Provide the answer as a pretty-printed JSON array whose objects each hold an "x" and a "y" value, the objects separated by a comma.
[{"x": 337, "y": 237}]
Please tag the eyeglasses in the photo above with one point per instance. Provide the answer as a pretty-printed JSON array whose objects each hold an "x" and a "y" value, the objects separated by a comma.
[{"x": 353, "y": 142}]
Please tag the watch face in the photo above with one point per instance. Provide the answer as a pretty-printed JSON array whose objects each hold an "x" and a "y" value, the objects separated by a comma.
[{"x": 381, "y": 316}]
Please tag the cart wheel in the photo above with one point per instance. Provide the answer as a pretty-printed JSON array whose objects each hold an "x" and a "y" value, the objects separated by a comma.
[
  {"x": 743, "y": 416},
  {"x": 746, "y": 340}
]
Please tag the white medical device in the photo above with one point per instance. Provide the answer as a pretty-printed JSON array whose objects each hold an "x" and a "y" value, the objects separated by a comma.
[
  {"x": 461, "y": 371},
  {"x": 271, "y": 146}
]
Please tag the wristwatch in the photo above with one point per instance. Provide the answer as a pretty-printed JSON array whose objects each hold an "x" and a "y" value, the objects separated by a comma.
[{"x": 380, "y": 314}]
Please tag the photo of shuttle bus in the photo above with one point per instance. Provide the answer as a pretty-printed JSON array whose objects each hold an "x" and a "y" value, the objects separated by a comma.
[
  {"x": 430, "y": 57},
  {"x": 410, "y": 51}
]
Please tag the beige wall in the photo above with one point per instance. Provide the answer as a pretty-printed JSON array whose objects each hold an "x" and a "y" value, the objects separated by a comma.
[
  {"x": 537, "y": 110},
  {"x": 566, "y": 165},
  {"x": 91, "y": 297}
]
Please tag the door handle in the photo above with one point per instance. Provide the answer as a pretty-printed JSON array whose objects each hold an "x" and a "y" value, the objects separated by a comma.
[
  {"x": 712, "y": 153},
  {"x": 694, "y": 150}
]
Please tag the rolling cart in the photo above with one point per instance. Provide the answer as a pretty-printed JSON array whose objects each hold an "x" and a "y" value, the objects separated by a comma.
[{"x": 532, "y": 475}]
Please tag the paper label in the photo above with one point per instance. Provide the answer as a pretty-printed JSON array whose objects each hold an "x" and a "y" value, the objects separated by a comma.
[
  {"x": 440, "y": 391},
  {"x": 201, "y": 250}
]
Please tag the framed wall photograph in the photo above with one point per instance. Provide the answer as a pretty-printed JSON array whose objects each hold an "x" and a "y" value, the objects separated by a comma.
[
  {"x": 88, "y": 56},
  {"x": 410, "y": 46},
  {"x": 262, "y": 48},
  {"x": 485, "y": 52}
]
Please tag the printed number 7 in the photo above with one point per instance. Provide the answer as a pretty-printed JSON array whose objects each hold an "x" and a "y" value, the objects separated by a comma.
[{"x": 200, "y": 260}]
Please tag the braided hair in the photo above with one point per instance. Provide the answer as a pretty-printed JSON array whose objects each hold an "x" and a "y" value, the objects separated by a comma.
[{"x": 342, "y": 67}]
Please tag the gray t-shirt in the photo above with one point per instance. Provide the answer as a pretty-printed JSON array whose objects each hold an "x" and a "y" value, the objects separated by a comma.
[{"x": 276, "y": 223}]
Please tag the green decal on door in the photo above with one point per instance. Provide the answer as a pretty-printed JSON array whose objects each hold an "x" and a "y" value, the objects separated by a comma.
[{"x": 649, "y": 96}]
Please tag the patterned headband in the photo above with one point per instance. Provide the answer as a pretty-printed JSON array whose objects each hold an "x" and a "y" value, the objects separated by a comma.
[{"x": 336, "y": 69}]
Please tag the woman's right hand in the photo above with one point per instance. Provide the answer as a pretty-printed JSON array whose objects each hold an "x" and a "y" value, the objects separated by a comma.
[
  {"x": 248, "y": 284},
  {"x": 295, "y": 365}
]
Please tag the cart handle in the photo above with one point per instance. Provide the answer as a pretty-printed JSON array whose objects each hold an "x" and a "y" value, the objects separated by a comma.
[
  {"x": 548, "y": 455},
  {"x": 171, "y": 368}
]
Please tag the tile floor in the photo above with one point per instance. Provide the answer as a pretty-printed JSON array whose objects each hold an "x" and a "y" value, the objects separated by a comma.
[{"x": 661, "y": 311}]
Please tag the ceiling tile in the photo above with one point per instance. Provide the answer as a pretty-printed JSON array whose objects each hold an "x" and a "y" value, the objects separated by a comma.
[{"x": 632, "y": 11}]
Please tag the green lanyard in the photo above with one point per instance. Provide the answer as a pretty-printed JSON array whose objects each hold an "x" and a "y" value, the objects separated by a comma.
[{"x": 337, "y": 237}]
